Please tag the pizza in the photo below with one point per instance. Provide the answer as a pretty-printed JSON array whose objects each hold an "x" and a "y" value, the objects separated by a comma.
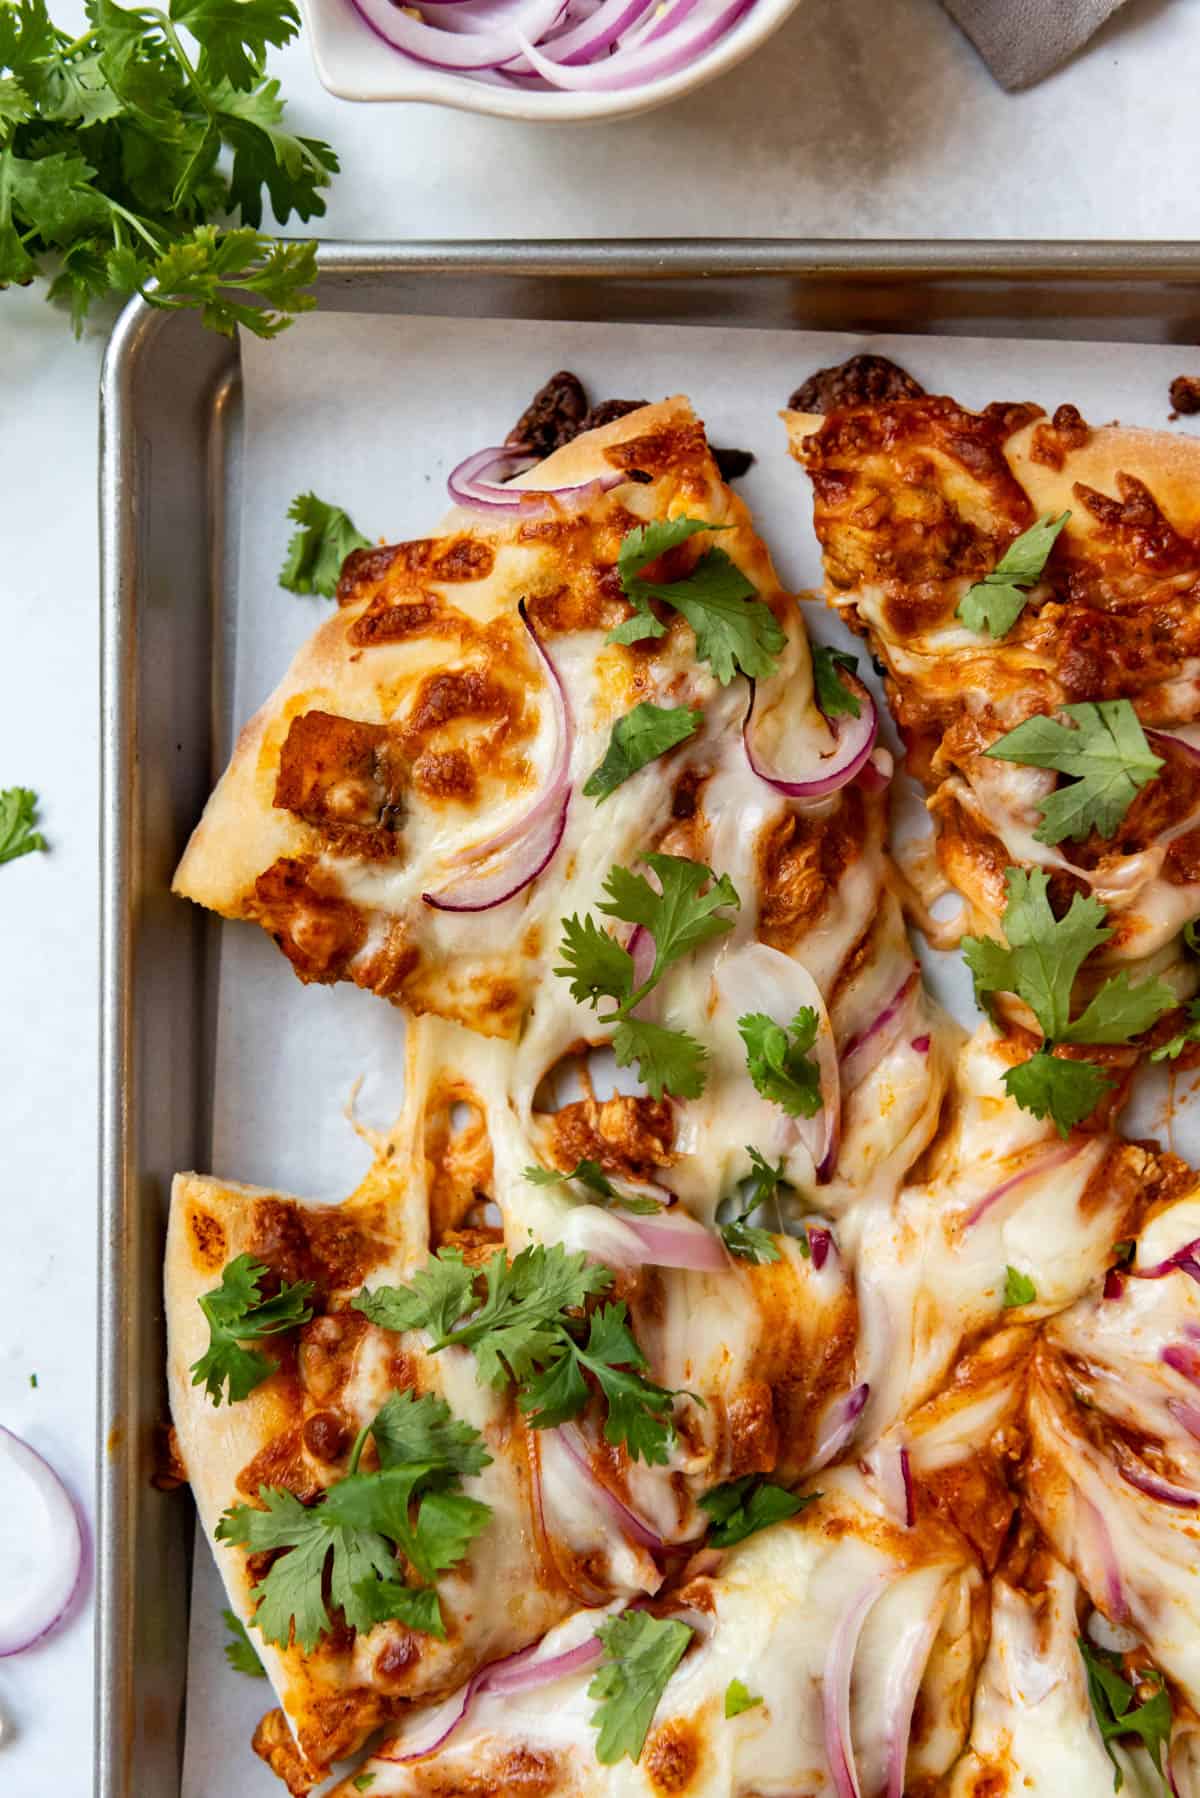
[{"x": 732, "y": 1377}]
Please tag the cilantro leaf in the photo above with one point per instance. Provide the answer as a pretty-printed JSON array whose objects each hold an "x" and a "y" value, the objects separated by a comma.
[
  {"x": 528, "y": 1328},
  {"x": 347, "y": 1543},
  {"x": 680, "y": 918},
  {"x": 641, "y": 736},
  {"x": 834, "y": 697},
  {"x": 18, "y": 813},
  {"x": 1039, "y": 964},
  {"x": 667, "y": 1060},
  {"x": 778, "y": 1060},
  {"x": 1019, "y": 1289},
  {"x": 234, "y": 35},
  {"x": 739, "y": 1698},
  {"x": 236, "y": 1312},
  {"x": 363, "y": 1782},
  {"x": 1173, "y": 1049},
  {"x": 240, "y": 1651},
  {"x": 740, "y": 1508},
  {"x": 326, "y": 537},
  {"x": 741, "y": 1238},
  {"x": 641, "y": 1653},
  {"x": 1116, "y": 1715},
  {"x": 996, "y": 602},
  {"x": 591, "y": 1175},
  {"x": 1105, "y": 751},
  {"x": 734, "y": 630},
  {"x": 1065, "y": 1091}
]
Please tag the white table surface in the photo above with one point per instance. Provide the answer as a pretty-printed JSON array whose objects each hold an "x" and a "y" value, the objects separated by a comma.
[{"x": 862, "y": 118}]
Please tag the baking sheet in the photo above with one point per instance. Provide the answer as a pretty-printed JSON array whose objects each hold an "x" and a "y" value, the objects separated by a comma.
[{"x": 371, "y": 413}]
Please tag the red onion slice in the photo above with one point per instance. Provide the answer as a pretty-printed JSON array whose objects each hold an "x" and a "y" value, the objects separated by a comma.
[
  {"x": 905, "y": 1671},
  {"x": 819, "y": 1242},
  {"x": 666, "y": 1239},
  {"x": 854, "y": 739},
  {"x": 1183, "y": 1261},
  {"x": 1044, "y": 1162},
  {"x": 1184, "y": 1357},
  {"x": 863, "y": 1053},
  {"x": 533, "y": 839},
  {"x": 840, "y": 1422},
  {"x": 877, "y": 771},
  {"x": 647, "y": 61},
  {"x": 835, "y": 1688},
  {"x": 921, "y": 1044},
  {"x": 468, "y": 488},
  {"x": 43, "y": 1602},
  {"x": 1135, "y": 1474},
  {"x": 1106, "y": 1554},
  {"x": 1186, "y": 1414},
  {"x": 520, "y": 1672},
  {"x": 456, "y": 49},
  {"x": 757, "y": 978},
  {"x": 627, "y": 1521},
  {"x": 910, "y": 1502}
]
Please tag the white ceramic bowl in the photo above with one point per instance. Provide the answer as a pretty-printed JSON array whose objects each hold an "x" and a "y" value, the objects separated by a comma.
[{"x": 355, "y": 64}]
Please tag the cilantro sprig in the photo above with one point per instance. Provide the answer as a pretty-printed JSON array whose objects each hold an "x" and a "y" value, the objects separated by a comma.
[
  {"x": 236, "y": 1312},
  {"x": 834, "y": 697},
  {"x": 686, "y": 913},
  {"x": 592, "y": 1176},
  {"x": 344, "y": 1550},
  {"x": 735, "y": 631},
  {"x": 1174, "y": 1047},
  {"x": 641, "y": 1653},
  {"x": 779, "y": 1063},
  {"x": 996, "y": 602},
  {"x": 638, "y": 738},
  {"x": 316, "y": 551},
  {"x": 742, "y": 1238},
  {"x": 1103, "y": 749},
  {"x": 1039, "y": 964},
  {"x": 1112, "y": 1700},
  {"x": 18, "y": 816},
  {"x": 741, "y": 1508},
  {"x": 240, "y": 1651},
  {"x": 120, "y": 144},
  {"x": 528, "y": 1328}
]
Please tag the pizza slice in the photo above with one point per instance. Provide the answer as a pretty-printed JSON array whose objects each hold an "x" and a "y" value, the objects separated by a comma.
[
  {"x": 1029, "y": 585},
  {"x": 410, "y": 810},
  {"x": 833, "y": 1653}
]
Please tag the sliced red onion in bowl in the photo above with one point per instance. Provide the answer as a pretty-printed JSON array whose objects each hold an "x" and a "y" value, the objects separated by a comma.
[
  {"x": 1043, "y": 1162},
  {"x": 631, "y": 66},
  {"x": 854, "y": 739},
  {"x": 44, "y": 1601},
  {"x": 457, "y": 50},
  {"x": 505, "y": 864},
  {"x": 835, "y": 1688}
]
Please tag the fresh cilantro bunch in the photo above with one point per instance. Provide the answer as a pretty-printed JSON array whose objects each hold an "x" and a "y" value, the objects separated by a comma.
[
  {"x": 236, "y": 1313},
  {"x": 641, "y": 1653},
  {"x": 529, "y": 1328},
  {"x": 779, "y": 1063},
  {"x": 680, "y": 917},
  {"x": 344, "y": 1550},
  {"x": 592, "y": 1176},
  {"x": 1039, "y": 965},
  {"x": 316, "y": 551},
  {"x": 18, "y": 813},
  {"x": 120, "y": 146},
  {"x": 641, "y": 736},
  {"x": 996, "y": 602},
  {"x": 741, "y": 1508},
  {"x": 1103, "y": 749},
  {"x": 735, "y": 631},
  {"x": 742, "y": 1238},
  {"x": 1112, "y": 1701}
]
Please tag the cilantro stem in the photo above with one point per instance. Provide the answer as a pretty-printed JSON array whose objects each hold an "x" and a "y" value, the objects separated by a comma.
[
  {"x": 172, "y": 37},
  {"x": 76, "y": 44},
  {"x": 360, "y": 1442}
]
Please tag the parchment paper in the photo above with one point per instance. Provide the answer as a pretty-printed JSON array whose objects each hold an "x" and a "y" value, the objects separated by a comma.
[{"x": 372, "y": 413}]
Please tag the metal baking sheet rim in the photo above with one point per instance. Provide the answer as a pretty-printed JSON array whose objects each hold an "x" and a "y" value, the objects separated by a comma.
[{"x": 1077, "y": 289}]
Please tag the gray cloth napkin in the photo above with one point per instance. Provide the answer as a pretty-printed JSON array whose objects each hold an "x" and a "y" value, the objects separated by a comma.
[{"x": 1022, "y": 40}]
